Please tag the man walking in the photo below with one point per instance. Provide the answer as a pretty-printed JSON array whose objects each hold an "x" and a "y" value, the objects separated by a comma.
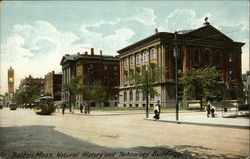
[
  {"x": 81, "y": 108},
  {"x": 157, "y": 110},
  {"x": 63, "y": 108}
]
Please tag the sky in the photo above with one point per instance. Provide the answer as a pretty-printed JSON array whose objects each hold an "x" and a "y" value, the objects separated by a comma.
[{"x": 35, "y": 35}]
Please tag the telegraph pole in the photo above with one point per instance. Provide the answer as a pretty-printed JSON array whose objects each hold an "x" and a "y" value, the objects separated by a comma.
[{"x": 176, "y": 52}]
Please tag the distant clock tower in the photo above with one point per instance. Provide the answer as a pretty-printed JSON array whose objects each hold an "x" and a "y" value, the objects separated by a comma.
[{"x": 10, "y": 80}]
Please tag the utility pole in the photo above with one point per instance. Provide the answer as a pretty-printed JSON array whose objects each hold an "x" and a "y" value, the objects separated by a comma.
[
  {"x": 147, "y": 73},
  {"x": 176, "y": 52}
]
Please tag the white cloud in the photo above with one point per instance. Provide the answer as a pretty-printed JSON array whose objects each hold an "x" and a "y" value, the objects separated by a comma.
[
  {"x": 38, "y": 49},
  {"x": 35, "y": 49},
  {"x": 101, "y": 22},
  {"x": 143, "y": 15},
  {"x": 109, "y": 43},
  {"x": 182, "y": 19}
]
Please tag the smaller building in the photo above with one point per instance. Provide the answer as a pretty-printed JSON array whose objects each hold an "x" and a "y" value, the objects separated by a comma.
[
  {"x": 96, "y": 69},
  {"x": 53, "y": 85}
]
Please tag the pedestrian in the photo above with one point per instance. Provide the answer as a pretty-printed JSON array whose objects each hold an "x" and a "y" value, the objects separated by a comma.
[
  {"x": 157, "y": 110},
  {"x": 208, "y": 109},
  {"x": 63, "y": 108},
  {"x": 81, "y": 108},
  {"x": 85, "y": 108},
  {"x": 213, "y": 111}
]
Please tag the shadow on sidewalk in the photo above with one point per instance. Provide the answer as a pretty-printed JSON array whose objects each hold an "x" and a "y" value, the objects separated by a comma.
[{"x": 38, "y": 141}]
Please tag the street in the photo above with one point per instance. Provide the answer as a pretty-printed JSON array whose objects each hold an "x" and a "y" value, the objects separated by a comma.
[{"x": 24, "y": 134}]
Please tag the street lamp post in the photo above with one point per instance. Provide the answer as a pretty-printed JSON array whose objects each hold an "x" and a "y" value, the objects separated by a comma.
[
  {"x": 176, "y": 52},
  {"x": 147, "y": 85},
  {"x": 89, "y": 103}
]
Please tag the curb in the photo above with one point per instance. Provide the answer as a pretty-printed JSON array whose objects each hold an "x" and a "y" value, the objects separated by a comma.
[{"x": 201, "y": 124}]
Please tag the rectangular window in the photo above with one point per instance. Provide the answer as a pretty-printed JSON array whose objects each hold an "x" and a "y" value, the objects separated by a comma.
[{"x": 105, "y": 67}]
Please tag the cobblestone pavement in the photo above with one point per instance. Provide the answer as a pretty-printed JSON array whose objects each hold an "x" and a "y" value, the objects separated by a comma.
[{"x": 25, "y": 134}]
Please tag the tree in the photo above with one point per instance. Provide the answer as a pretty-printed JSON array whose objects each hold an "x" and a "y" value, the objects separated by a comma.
[
  {"x": 98, "y": 93},
  {"x": 201, "y": 84},
  {"x": 93, "y": 92},
  {"x": 31, "y": 94},
  {"x": 27, "y": 95},
  {"x": 73, "y": 87},
  {"x": 145, "y": 78},
  {"x": 90, "y": 92}
]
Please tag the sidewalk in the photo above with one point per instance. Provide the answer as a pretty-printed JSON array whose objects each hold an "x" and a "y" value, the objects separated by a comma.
[
  {"x": 200, "y": 118},
  {"x": 185, "y": 117}
]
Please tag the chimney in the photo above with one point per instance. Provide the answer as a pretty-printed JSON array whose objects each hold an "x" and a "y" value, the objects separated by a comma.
[
  {"x": 86, "y": 53},
  {"x": 156, "y": 30},
  {"x": 53, "y": 72},
  {"x": 101, "y": 52},
  {"x": 92, "y": 51}
]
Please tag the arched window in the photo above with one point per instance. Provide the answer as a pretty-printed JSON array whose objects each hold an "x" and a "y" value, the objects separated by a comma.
[
  {"x": 130, "y": 96},
  {"x": 132, "y": 60},
  {"x": 153, "y": 53},
  {"x": 145, "y": 56},
  {"x": 125, "y": 96},
  {"x": 196, "y": 56},
  {"x": 126, "y": 62},
  {"x": 137, "y": 95},
  {"x": 208, "y": 58},
  {"x": 138, "y": 59},
  {"x": 218, "y": 58}
]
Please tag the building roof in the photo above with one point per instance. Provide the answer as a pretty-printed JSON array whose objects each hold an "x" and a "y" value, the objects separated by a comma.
[
  {"x": 75, "y": 57},
  {"x": 211, "y": 31},
  {"x": 185, "y": 31}
]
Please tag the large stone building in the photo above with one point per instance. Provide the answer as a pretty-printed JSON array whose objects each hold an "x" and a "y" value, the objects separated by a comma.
[
  {"x": 11, "y": 80},
  {"x": 99, "y": 69},
  {"x": 53, "y": 85},
  {"x": 199, "y": 48}
]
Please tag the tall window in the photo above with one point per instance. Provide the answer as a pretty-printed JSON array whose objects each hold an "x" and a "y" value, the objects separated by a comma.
[
  {"x": 138, "y": 59},
  {"x": 132, "y": 60},
  {"x": 230, "y": 59},
  {"x": 207, "y": 57},
  {"x": 231, "y": 74},
  {"x": 137, "y": 95},
  {"x": 116, "y": 82},
  {"x": 126, "y": 77},
  {"x": 116, "y": 95},
  {"x": 152, "y": 98},
  {"x": 126, "y": 62},
  {"x": 218, "y": 58},
  {"x": 196, "y": 56},
  {"x": 144, "y": 96},
  {"x": 153, "y": 53},
  {"x": 130, "y": 96},
  {"x": 145, "y": 56},
  {"x": 125, "y": 96}
]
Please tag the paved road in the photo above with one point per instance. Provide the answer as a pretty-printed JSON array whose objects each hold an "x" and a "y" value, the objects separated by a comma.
[{"x": 120, "y": 136}]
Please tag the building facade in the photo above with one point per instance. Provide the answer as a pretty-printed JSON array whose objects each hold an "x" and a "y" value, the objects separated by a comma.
[
  {"x": 53, "y": 85},
  {"x": 198, "y": 48},
  {"x": 98, "y": 69}
]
